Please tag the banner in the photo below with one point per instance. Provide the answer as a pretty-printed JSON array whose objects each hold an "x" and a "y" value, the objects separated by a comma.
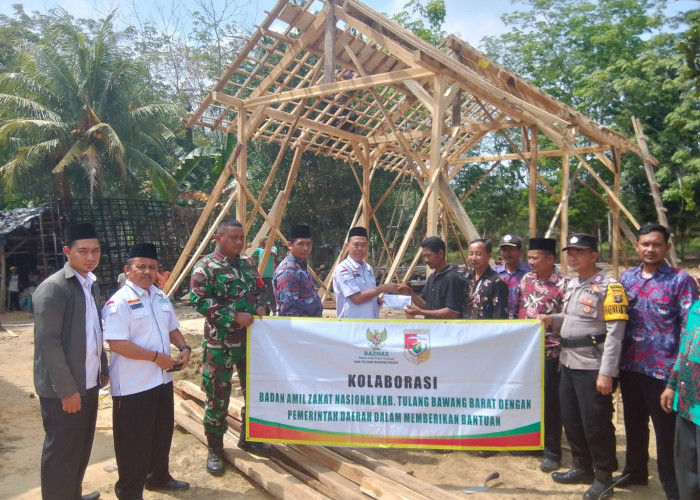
[{"x": 458, "y": 384}]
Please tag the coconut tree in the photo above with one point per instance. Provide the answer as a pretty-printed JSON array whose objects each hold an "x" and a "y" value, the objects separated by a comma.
[{"x": 75, "y": 110}]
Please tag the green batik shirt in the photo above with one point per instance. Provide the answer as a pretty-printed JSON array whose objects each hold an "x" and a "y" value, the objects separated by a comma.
[
  {"x": 685, "y": 376},
  {"x": 221, "y": 288}
]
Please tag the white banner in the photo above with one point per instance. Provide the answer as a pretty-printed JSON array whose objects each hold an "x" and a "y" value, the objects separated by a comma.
[{"x": 406, "y": 383}]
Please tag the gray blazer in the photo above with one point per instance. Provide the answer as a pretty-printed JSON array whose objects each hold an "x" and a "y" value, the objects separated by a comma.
[{"x": 59, "y": 335}]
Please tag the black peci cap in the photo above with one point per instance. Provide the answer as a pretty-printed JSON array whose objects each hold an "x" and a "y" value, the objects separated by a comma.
[{"x": 146, "y": 250}]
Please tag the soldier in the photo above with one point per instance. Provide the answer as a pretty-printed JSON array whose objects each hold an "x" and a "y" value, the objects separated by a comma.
[
  {"x": 592, "y": 325},
  {"x": 227, "y": 290},
  {"x": 294, "y": 287}
]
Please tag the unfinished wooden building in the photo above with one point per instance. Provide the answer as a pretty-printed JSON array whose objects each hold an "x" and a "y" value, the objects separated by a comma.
[{"x": 336, "y": 78}]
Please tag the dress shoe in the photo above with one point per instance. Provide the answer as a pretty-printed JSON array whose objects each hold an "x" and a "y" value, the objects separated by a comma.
[
  {"x": 549, "y": 465},
  {"x": 625, "y": 479},
  {"x": 599, "y": 490},
  {"x": 215, "y": 462},
  {"x": 170, "y": 485},
  {"x": 486, "y": 453},
  {"x": 578, "y": 475},
  {"x": 91, "y": 496}
]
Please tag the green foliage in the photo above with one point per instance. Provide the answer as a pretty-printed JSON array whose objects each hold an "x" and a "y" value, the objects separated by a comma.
[
  {"x": 425, "y": 20},
  {"x": 614, "y": 59},
  {"x": 74, "y": 107}
]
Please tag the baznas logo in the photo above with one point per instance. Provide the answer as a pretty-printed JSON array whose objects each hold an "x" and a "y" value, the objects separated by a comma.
[
  {"x": 416, "y": 345},
  {"x": 376, "y": 338}
]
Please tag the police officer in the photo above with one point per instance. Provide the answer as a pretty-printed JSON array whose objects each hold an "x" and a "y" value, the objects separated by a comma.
[
  {"x": 354, "y": 285},
  {"x": 140, "y": 325},
  {"x": 592, "y": 325},
  {"x": 228, "y": 291}
]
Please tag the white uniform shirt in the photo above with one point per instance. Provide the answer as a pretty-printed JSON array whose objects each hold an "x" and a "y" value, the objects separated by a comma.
[
  {"x": 146, "y": 320},
  {"x": 349, "y": 278},
  {"x": 93, "y": 332}
]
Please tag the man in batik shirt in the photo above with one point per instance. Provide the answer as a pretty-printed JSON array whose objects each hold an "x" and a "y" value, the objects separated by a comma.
[
  {"x": 681, "y": 396},
  {"x": 228, "y": 291},
  {"x": 541, "y": 291},
  {"x": 292, "y": 281},
  {"x": 512, "y": 270},
  {"x": 486, "y": 294},
  {"x": 659, "y": 300}
]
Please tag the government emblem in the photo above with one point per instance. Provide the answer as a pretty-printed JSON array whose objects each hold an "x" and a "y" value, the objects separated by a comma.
[
  {"x": 376, "y": 338},
  {"x": 417, "y": 345}
]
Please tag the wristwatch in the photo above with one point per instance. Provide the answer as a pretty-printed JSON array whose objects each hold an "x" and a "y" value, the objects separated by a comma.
[{"x": 185, "y": 348}]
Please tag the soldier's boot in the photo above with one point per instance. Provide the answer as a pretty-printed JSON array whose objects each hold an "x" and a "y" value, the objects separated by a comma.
[
  {"x": 251, "y": 447},
  {"x": 215, "y": 458}
]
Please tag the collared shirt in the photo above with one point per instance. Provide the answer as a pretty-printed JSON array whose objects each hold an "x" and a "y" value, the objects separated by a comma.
[
  {"x": 220, "y": 288},
  {"x": 93, "y": 331},
  {"x": 294, "y": 289},
  {"x": 537, "y": 296},
  {"x": 444, "y": 289},
  {"x": 685, "y": 375},
  {"x": 145, "y": 318},
  {"x": 257, "y": 255},
  {"x": 487, "y": 297},
  {"x": 512, "y": 280},
  {"x": 594, "y": 306},
  {"x": 658, "y": 311},
  {"x": 349, "y": 278}
]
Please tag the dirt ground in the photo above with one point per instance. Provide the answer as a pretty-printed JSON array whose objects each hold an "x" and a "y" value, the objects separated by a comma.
[{"x": 21, "y": 438}]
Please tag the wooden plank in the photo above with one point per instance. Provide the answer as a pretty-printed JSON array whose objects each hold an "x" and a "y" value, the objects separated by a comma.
[
  {"x": 452, "y": 202},
  {"x": 398, "y": 476},
  {"x": 439, "y": 109},
  {"x": 344, "y": 488},
  {"x": 263, "y": 472},
  {"x": 242, "y": 166},
  {"x": 381, "y": 489},
  {"x": 359, "y": 83}
]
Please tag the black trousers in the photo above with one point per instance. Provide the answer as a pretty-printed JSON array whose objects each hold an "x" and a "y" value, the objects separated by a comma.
[
  {"x": 641, "y": 396},
  {"x": 552, "y": 410},
  {"x": 270, "y": 293},
  {"x": 687, "y": 450},
  {"x": 587, "y": 418},
  {"x": 67, "y": 446},
  {"x": 143, "y": 431}
]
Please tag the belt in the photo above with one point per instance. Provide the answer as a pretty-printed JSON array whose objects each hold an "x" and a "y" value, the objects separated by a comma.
[{"x": 588, "y": 340}]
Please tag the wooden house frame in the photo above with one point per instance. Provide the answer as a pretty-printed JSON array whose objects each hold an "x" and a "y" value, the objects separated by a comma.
[{"x": 336, "y": 78}]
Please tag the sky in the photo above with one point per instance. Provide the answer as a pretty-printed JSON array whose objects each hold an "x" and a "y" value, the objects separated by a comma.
[{"x": 471, "y": 20}]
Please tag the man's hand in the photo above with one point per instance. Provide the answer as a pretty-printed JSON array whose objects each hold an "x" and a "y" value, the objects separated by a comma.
[
  {"x": 164, "y": 361},
  {"x": 183, "y": 358},
  {"x": 261, "y": 312},
  {"x": 546, "y": 319},
  {"x": 412, "y": 310},
  {"x": 72, "y": 403},
  {"x": 667, "y": 399},
  {"x": 244, "y": 319},
  {"x": 404, "y": 290},
  {"x": 391, "y": 288},
  {"x": 604, "y": 384}
]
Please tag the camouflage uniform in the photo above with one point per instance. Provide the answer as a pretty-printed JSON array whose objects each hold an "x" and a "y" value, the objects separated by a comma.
[{"x": 220, "y": 288}]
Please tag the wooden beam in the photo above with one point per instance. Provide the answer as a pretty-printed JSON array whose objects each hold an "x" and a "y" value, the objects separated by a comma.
[
  {"x": 532, "y": 192},
  {"x": 360, "y": 83},
  {"x": 242, "y": 167},
  {"x": 526, "y": 155},
  {"x": 436, "y": 152},
  {"x": 566, "y": 190},
  {"x": 615, "y": 211},
  {"x": 329, "y": 44}
]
